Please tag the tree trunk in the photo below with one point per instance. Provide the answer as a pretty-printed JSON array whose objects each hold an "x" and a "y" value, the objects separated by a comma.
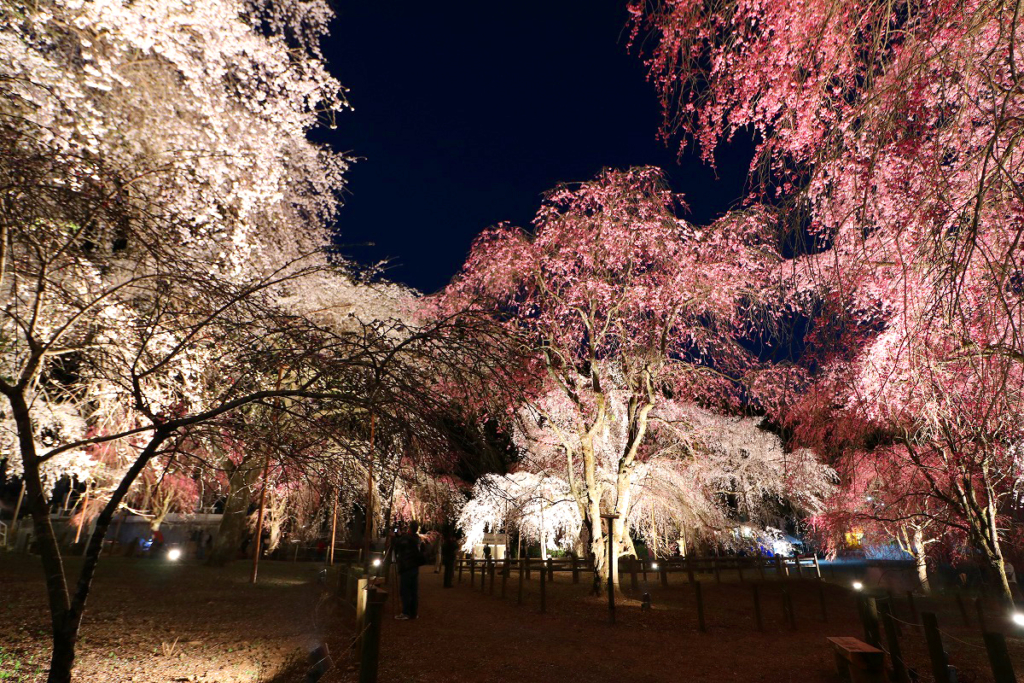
[
  {"x": 921, "y": 561},
  {"x": 46, "y": 542},
  {"x": 62, "y": 660},
  {"x": 236, "y": 508},
  {"x": 66, "y": 610}
]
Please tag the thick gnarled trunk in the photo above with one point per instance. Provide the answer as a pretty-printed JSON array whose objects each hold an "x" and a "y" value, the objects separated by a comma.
[{"x": 236, "y": 513}]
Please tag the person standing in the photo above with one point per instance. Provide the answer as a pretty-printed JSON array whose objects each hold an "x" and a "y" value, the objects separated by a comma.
[{"x": 409, "y": 557}]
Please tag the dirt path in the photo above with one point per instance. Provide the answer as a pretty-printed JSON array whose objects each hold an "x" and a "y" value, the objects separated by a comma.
[
  {"x": 465, "y": 635},
  {"x": 228, "y": 631}
]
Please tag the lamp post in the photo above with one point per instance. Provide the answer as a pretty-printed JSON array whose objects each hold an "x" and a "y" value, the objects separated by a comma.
[{"x": 611, "y": 573}]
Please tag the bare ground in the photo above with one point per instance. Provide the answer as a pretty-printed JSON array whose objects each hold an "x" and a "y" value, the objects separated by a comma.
[
  {"x": 227, "y": 630},
  {"x": 152, "y": 620}
]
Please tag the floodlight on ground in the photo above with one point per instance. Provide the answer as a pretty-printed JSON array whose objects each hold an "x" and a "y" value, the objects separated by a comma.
[
  {"x": 857, "y": 586},
  {"x": 1018, "y": 618},
  {"x": 654, "y": 565},
  {"x": 376, "y": 562},
  {"x": 174, "y": 554}
]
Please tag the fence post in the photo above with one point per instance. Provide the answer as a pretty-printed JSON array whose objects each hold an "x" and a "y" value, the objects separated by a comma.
[
  {"x": 528, "y": 577},
  {"x": 899, "y": 670},
  {"x": 633, "y": 581},
  {"x": 913, "y": 608},
  {"x": 551, "y": 570},
  {"x": 715, "y": 567},
  {"x": 892, "y": 611},
  {"x": 999, "y": 658},
  {"x": 700, "y": 606},
  {"x": 979, "y": 607},
  {"x": 472, "y": 572},
  {"x": 522, "y": 577},
  {"x": 492, "y": 576},
  {"x": 936, "y": 653},
  {"x": 504, "y": 576},
  {"x": 757, "y": 608},
  {"x": 362, "y": 593},
  {"x": 778, "y": 566},
  {"x": 963, "y": 610},
  {"x": 817, "y": 567},
  {"x": 663, "y": 568},
  {"x": 461, "y": 562},
  {"x": 543, "y": 589},
  {"x": 689, "y": 568},
  {"x": 787, "y": 609},
  {"x": 799, "y": 566},
  {"x": 575, "y": 569},
  {"x": 869, "y": 617},
  {"x": 370, "y": 655}
]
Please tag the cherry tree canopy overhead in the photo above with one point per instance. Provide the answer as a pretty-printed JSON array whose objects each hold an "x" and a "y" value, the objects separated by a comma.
[{"x": 891, "y": 136}]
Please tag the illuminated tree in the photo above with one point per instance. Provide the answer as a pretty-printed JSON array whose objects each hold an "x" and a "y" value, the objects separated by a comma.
[
  {"x": 617, "y": 302},
  {"x": 158, "y": 193},
  {"x": 539, "y": 505},
  {"x": 890, "y": 135},
  {"x": 700, "y": 474}
]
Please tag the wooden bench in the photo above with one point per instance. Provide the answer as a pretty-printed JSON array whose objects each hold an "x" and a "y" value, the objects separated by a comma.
[{"x": 857, "y": 661}]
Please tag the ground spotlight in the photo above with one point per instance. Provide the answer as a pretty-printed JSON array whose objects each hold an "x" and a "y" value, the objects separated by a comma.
[
  {"x": 376, "y": 562},
  {"x": 174, "y": 554},
  {"x": 857, "y": 585},
  {"x": 1018, "y": 618},
  {"x": 654, "y": 565}
]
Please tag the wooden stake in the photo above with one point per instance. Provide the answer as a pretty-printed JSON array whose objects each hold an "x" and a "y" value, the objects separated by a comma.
[
  {"x": 913, "y": 607},
  {"x": 963, "y": 610},
  {"x": 899, "y": 670},
  {"x": 700, "y": 607},
  {"x": 936, "y": 653},
  {"x": 999, "y": 658},
  {"x": 543, "y": 590},
  {"x": 869, "y": 617},
  {"x": 522, "y": 578},
  {"x": 757, "y": 608},
  {"x": 979, "y": 607},
  {"x": 787, "y": 609}
]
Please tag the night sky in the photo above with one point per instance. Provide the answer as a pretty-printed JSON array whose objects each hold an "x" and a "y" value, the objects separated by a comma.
[{"x": 465, "y": 112}]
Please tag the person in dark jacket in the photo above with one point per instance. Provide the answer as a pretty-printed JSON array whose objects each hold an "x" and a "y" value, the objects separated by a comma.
[{"x": 409, "y": 557}]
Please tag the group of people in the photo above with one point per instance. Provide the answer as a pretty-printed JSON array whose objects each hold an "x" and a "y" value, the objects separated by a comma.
[{"x": 412, "y": 551}]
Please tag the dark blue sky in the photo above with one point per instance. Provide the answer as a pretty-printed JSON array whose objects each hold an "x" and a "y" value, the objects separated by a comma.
[{"x": 465, "y": 112}]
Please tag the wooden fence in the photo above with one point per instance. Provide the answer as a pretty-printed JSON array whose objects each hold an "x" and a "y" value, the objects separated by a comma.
[{"x": 744, "y": 566}]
